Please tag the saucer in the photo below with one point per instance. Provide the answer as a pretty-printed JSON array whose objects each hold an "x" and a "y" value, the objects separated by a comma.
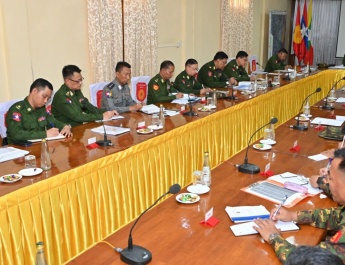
[
  {"x": 28, "y": 172},
  {"x": 155, "y": 127},
  {"x": 144, "y": 131},
  {"x": 187, "y": 198},
  {"x": 268, "y": 141},
  {"x": 198, "y": 189},
  {"x": 10, "y": 178},
  {"x": 262, "y": 147},
  {"x": 302, "y": 118}
]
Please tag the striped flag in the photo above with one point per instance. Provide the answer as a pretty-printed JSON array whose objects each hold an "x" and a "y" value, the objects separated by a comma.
[
  {"x": 297, "y": 35},
  {"x": 309, "y": 58}
]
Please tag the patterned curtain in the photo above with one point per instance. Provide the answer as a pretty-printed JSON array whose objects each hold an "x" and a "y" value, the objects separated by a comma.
[
  {"x": 105, "y": 38},
  {"x": 236, "y": 26},
  {"x": 140, "y": 30}
]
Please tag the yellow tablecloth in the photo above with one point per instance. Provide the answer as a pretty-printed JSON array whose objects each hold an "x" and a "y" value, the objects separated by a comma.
[{"x": 78, "y": 208}]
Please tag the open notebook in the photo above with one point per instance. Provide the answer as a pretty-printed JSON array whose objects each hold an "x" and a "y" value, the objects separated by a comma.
[{"x": 247, "y": 228}]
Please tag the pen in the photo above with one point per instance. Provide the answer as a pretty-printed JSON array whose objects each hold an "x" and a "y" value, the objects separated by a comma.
[
  {"x": 280, "y": 206},
  {"x": 51, "y": 124}
]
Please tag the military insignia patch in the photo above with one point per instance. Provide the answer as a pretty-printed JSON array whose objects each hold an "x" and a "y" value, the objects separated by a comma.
[
  {"x": 16, "y": 116},
  {"x": 29, "y": 109},
  {"x": 155, "y": 87},
  {"x": 18, "y": 107},
  {"x": 187, "y": 76},
  {"x": 68, "y": 100},
  {"x": 183, "y": 81},
  {"x": 108, "y": 94},
  {"x": 41, "y": 118},
  {"x": 336, "y": 237},
  {"x": 209, "y": 73}
]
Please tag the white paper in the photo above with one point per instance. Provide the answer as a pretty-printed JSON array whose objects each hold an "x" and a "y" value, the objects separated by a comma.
[
  {"x": 171, "y": 113},
  {"x": 340, "y": 118},
  {"x": 318, "y": 157},
  {"x": 325, "y": 121},
  {"x": 9, "y": 153},
  {"x": 116, "y": 117},
  {"x": 150, "y": 109},
  {"x": 111, "y": 130},
  {"x": 60, "y": 136},
  {"x": 252, "y": 212},
  {"x": 340, "y": 100},
  {"x": 247, "y": 228}
]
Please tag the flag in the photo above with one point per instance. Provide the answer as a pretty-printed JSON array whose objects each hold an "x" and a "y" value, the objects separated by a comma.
[
  {"x": 304, "y": 32},
  {"x": 309, "y": 58},
  {"x": 297, "y": 36}
]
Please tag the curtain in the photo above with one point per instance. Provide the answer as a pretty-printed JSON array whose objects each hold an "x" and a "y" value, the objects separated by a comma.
[
  {"x": 140, "y": 36},
  {"x": 236, "y": 26},
  {"x": 105, "y": 38}
]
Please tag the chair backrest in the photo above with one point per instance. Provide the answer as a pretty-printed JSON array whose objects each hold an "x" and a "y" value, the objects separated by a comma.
[
  {"x": 99, "y": 98},
  {"x": 139, "y": 88},
  {"x": 94, "y": 88},
  {"x": 3, "y": 110}
]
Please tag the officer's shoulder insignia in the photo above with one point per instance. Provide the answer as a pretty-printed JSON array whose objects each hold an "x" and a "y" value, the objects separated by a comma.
[
  {"x": 183, "y": 76},
  {"x": 16, "y": 116},
  {"x": 18, "y": 107},
  {"x": 236, "y": 66},
  {"x": 42, "y": 118},
  {"x": 111, "y": 85},
  {"x": 162, "y": 80},
  {"x": 108, "y": 94},
  {"x": 187, "y": 76},
  {"x": 29, "y": 109},
  {"x": 336, "y": 237},
  {"x": 68, "y": 100},
  {"x": 156, "y": 80},
  {"x": 155, "y": 87}
]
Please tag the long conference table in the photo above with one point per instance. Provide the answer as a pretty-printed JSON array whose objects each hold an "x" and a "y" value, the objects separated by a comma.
[{"x": 90, "y": 195}]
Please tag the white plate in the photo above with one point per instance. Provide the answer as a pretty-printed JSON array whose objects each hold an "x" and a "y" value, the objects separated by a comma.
[
  {"x": 144, "y": 131},
  {"x": 308, "y": 116},
  {"x": 204, "y": 109},
  {"x": 181, "y": 195},
  {"x": 268, "y": 141},
  {"x": 302, "y": 118},
  {"x": 155, "y": 127},
  {"x": 28, "y": 172},
  {"x": 198, "y": 189},
  {"x": 330, "y": 100},
  {"x": 264, "y": 147},
  {"x": 16, "y": 177}
]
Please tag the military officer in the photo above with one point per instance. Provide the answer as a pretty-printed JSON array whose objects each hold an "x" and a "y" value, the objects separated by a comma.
[
  {"x": 69, "y": 104},
  {"x": 186, "y": 82},
  {"x": 160, "y": 88},
  {"x": 117, "y": 94},
  {"x": 28, "y": 119},
  {"x": 211, "y": 74},
  {"x": 332, "y": 219},
  {"x": 276, "y": 62},
  {"x": 235, "y": 69}
]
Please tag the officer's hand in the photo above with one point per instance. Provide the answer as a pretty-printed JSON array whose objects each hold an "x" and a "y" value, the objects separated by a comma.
[
  {"x": 179, "y": 95},
  {"x": 52, "y": 132},
  {"x": 135, "y": 107},
  {"x": 265, "y": 227},
  {"x": 283, "y": 215},
  {"x": 323, "y": 171},
  {"x": 252, "y": 78},
  {"x": 66, "y": 130},
  {"x": 233, "y": 81},
  {"x": 109, "y": 114},
  {"x": 313, "y": 181}
]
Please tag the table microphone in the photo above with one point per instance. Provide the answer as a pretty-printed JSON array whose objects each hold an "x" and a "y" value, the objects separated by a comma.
[
  {"x": 326, "y": 106},
  {"x": 251, "y": 168},
  {"x": 298, "y": 126},
  {"x": 260, "y": 65},
  {"x": 137, "y": 255}
]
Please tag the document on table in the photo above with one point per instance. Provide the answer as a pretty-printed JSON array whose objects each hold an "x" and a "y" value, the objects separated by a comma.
[
  {"x": 150, "y": 109},
  {"x": 340, "y": 100},
  {"x": 325, "y": 121},
  {"x": 247, "y": 228},
  {"x": 9, "y": 153},
  {"x": 318, "y": 157},
  {"x": 247, "y": 213},
  {"x": 116, "y": 117},
  {"x": 58, "y": 137},
  {"x": 111, "y": 130}
]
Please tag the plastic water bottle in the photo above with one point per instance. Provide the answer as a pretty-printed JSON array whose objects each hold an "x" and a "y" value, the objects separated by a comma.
[
  {"x": 45, "y": 157},
  {"x": 206, "y": 170},
  {"x": 306, "y": 109},
  {"x": 273, "y": 134},
  {"x": 161, "y": 116},
  {"x": 214, "y": 97},
  {"x": 40, "y": 259}
]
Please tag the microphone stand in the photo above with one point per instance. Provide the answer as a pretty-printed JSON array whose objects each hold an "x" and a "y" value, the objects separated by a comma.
[
  {"x": 252, "y": 168},
  {"x": 137, "y": 255},
  {"x": 326, "y": 106},
  {"x": 190, "y": 112},
  {"x": 298, "y": 126},
  {"x": 232, "y": 97}
]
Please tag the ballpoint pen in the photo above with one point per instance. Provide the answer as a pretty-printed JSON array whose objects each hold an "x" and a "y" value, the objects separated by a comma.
[
  {"x": 51, "y": 124},
  {"x": 280, "y": 206}
]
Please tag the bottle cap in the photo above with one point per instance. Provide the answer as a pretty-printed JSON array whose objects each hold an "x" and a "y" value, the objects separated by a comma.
[
  {"x": 40, "y": 243},
  {"x": 44, "y": 140}
]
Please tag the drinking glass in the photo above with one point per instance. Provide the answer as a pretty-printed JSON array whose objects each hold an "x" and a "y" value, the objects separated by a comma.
[
  {"x": 155, "y": 119},
  {"x": 198, "y": 178},
  {"x": 30, "y": 161},
  {"x": 268, "y": 135}
]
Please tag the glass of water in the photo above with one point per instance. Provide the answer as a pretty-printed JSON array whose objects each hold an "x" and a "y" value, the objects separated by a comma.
[
  {"x": 30, "y": 161},
  {"x": 155, "y": 119}
]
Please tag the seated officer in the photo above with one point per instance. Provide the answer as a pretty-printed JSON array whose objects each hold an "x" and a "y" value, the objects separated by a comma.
[
  {"x": 186, "y": 82},
  {"x": 235, "y": 69},
  {"x": 160, "y": 88},
  {"x": 276, "y": 62},
  {"x": 69, "y": 104},
  {"x": 28, "y": 119},
  {"x": 117, "y": 95},
  {"x": 211, "y": 74}
]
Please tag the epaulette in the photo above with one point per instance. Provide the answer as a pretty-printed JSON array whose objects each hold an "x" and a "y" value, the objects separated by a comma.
[{"x": 111, "y": 85}]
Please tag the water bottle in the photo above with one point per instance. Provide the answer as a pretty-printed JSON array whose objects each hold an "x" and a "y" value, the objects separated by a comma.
[
  {"x": 332, "y": 94},
  {"x": 40, "y": 259},
  {"x": 214, "y": 97},
  {"x": 161, "y": 116},
  {"x": 45, "y": 157},
  {"x": 306, "y": 109},
  {"x": 206, "y": 170},
  {"x": 273, "y": 134}
]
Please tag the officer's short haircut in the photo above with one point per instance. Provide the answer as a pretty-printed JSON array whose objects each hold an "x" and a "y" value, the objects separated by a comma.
[
  {"x": 283, "y": 51},
  {"x": 241, "y": 54},
  {"x": 121, "y": 65},
  {"x": 220, "y": 55},
  {"x": 340, "y": 153},
  {"x": 312, "y": 256},
  {"x": 69, "y": 70},
  {"x": 41, "y": 84},
  {"x": 166, "y": 65},
  {"x": 191, "y": 62}
]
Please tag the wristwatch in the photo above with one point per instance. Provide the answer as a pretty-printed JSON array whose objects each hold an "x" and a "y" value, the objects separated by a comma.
[{"x": 271, "y": 237}]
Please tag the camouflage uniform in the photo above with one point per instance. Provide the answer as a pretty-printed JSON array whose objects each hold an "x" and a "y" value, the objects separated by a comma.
[
  {"x": 159, "y": 90},
  {"x": 323, "y": 184},
  {"x": 211, "y": 77},
  {"x": 274, "y": 64},
  {"x": 26, "y": 123},
  {"x": 232, "y": 69},
  {"x": 114, "y": 98},
  {"x": 187, "y": 84},
  {"x": 332, "y": 219},
  {"x": 70, "y": 106}
]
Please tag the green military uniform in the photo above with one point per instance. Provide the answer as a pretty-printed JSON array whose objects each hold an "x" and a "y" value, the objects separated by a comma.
[
  {"x": 232, "y": 69},
  {"x": 26, "y": 123},
  {"x": 274, "y": 64},
  {"x": 70, "y": 106},
  {"x": 159, "y": 90},
  {"x": 211, "y": 77},
  {"x": 187, "y": 84},
  {"x": 332, "y": 219},
  {"x": 323, "y": 184},
  {"x": 114, "y": 98}
]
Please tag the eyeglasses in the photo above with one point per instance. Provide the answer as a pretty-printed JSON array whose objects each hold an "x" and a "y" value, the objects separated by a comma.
[
  {"x": 299, "y": 179},
  {"x": 77, "y": 81},
  {"x": 194, "y": 69}
]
